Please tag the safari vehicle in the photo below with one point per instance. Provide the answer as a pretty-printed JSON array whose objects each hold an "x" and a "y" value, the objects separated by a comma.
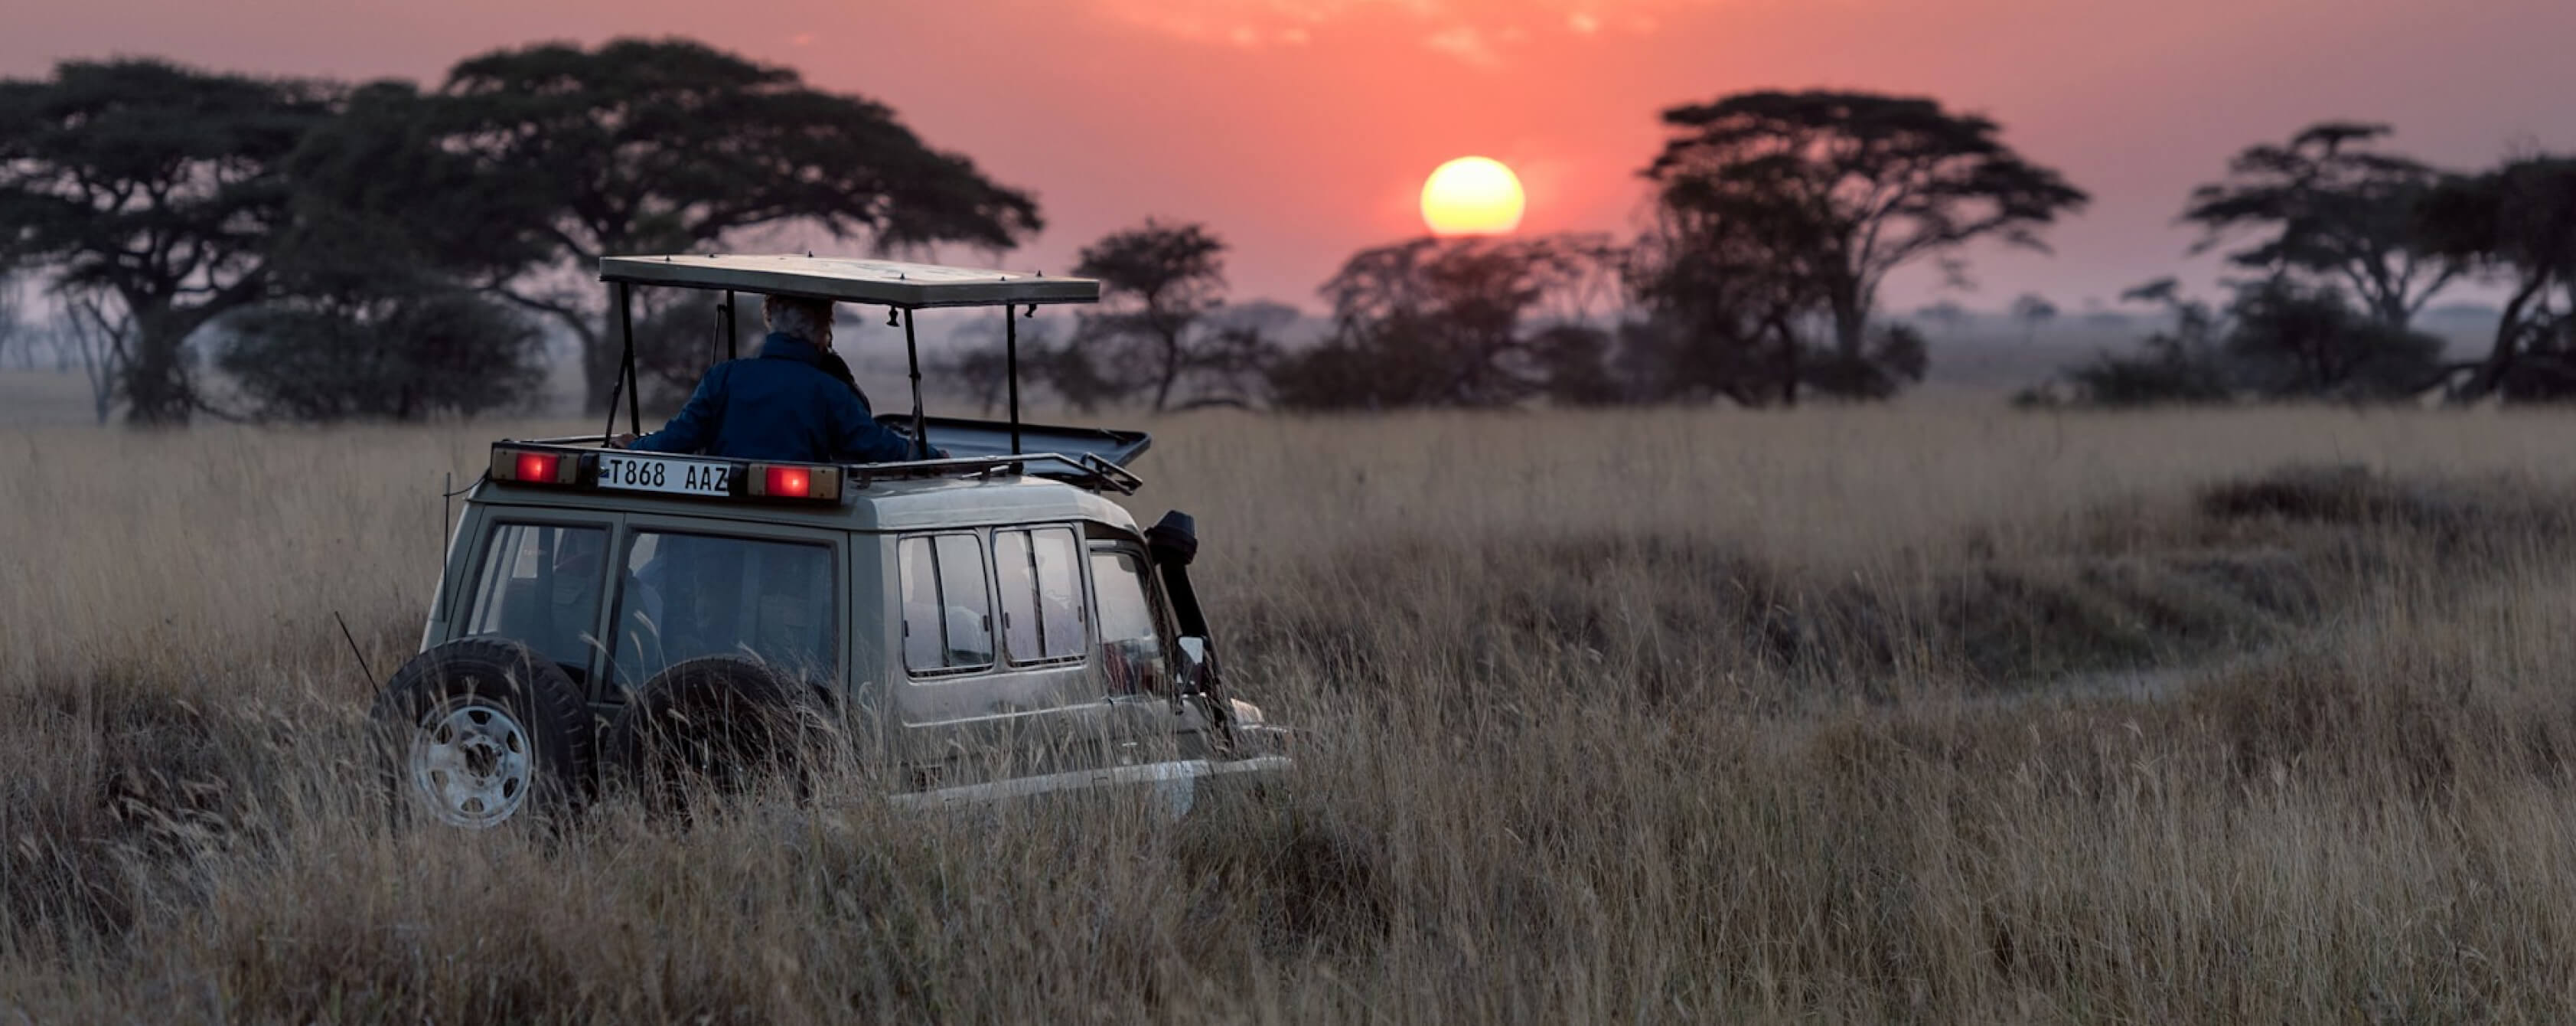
[{"x": 983, "y": 625}]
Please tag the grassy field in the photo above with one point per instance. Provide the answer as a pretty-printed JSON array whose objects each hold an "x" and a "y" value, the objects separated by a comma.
[{"x": 1924, "y": 712}]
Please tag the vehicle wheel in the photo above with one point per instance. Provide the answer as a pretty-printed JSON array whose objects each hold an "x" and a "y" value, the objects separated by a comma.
[
  {"x": 478, "y": 732},
  {"x": 717, "y": 724}
]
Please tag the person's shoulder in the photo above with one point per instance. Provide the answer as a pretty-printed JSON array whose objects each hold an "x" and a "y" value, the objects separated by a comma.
[{"x": 832, "y": 364}]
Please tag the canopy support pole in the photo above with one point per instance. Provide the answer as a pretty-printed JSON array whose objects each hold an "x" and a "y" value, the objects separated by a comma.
[
  {"x": 626, "y": 323},
  {"x": 733, "y": 332},
  {"x": 912, "y": 355},
  {"x": 1011, "y": 367},
  {"x": 625, "y": 316}
]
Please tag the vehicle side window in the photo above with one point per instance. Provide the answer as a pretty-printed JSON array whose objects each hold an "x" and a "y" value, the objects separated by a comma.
[
  {"x": 947, "y": 608},
  {"x": 692, "y": 595},
  {"x": 1130, "y": 644},
  {"x": 1041, "y": 593},
  {"x": 540, "y": 586}
]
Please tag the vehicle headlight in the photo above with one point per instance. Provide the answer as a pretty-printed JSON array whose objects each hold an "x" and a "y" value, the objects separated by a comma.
[{"x": 1246, "y": 713}]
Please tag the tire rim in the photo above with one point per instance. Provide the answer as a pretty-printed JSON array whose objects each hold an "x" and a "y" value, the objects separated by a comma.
[{"x": 470, "y": 762}]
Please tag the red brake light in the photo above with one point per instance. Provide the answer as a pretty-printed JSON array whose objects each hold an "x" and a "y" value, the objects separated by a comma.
[
  {"x": 537, "y": 466},
  {"x": 772, "y": 481}
]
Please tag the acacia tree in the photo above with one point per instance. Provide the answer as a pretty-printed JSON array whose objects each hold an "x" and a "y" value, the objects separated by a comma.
[
  {"x": 1733, "y": 280},
  {"x": 2517, "y": 221},
  {"x": 2292, "y": 340},
  {"x": 1723, "y": 319},
  {"x": 1434, "y": 322},
  {"x": 1946, "y": 313},
  {"x": 1157, "y": 282},
  {"x": 2327, "y": 203},
  {"x": 151, "y": 191},
  {"x": 2033, "y": 310},
  {"x": 372, "y": 316},
  {"x": 1868, "y": 184},
  {"x": 671, "y": 145},
  {"x": 381, "y": 202}
]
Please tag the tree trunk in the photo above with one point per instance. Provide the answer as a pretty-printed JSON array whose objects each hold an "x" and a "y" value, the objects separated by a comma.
[
  {"x": 1851, "y": 326},
  {"x": 1788, "y": 361},
  {"x": 2508, "y": 340},
  {"x": 2394, "y": 312},
  {"x": 1171, "y": 371},
  {"x": 155, "y": 379},
  {"x": 601, "y": 366},
  {"x": 599, "y": 355}
]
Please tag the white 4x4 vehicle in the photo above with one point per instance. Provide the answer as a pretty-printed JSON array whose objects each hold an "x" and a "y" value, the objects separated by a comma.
[{"x": 978, "y": 626}]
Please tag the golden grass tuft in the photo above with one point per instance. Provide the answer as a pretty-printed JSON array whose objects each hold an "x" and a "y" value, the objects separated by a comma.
[{"x": 1913, "y": 713}]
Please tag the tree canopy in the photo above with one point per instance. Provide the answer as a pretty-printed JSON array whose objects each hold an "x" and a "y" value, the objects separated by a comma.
[
  {"x": 380, "y": 205},
  {"x": 2327, "y": 203},
  {"x": 2517, "y": 221},
  {"x": 1157, "y": 282},
  {"x": 1847, "y": 188},
  {"x": 1435, "y": 322},
  {"x": 672, "y": 145},
  {"x": 151, "y": 191}
]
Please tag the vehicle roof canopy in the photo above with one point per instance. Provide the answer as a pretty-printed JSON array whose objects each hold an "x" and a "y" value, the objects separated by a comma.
[{"x": 849, "y": 280}]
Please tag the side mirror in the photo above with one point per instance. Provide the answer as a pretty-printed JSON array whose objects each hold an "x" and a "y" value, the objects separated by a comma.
[{"x": 1192, "y": 663}]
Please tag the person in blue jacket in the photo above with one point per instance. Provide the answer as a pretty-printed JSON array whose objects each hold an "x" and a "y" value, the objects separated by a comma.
[{"x": 782, "y": 404}]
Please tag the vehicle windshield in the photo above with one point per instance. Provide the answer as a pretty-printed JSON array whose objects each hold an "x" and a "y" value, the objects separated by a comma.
[
  {"x": 1130, "y": 638},
  {"x": 690, "y": 595}
]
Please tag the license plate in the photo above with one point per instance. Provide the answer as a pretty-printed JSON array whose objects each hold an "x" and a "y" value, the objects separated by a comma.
[{"x": 664, "y": 474}]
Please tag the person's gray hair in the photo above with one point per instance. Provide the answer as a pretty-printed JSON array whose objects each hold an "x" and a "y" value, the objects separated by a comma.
[{"x": 797, "y": 317}]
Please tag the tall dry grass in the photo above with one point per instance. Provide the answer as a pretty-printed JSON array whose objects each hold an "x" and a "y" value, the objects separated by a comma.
[{"x": 1911, "y": 713}]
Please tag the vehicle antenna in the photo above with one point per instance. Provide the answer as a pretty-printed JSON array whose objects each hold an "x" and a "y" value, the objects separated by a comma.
[{"x": 352, "y": 639}]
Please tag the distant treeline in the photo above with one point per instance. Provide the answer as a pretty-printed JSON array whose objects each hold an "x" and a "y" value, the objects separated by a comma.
[{"x": 389, "y": 251}]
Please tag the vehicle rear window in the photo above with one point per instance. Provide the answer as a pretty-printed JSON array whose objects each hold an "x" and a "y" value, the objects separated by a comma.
[
  {"x": 691, "y": 595},
  {"x": 947, "y": 607},
  {"x": 540, "y": 586},
  {"x": 1041, "y": 593}
]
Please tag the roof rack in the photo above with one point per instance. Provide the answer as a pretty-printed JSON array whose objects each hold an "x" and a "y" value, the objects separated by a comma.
[{"x": 1082, "y": 470}]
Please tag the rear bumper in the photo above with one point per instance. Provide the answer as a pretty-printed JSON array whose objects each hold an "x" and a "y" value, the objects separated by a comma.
[{"x": 1178, "y": 782}]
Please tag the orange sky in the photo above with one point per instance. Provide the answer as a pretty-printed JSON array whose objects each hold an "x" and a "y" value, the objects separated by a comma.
[{"x": 1301, "y": 129}]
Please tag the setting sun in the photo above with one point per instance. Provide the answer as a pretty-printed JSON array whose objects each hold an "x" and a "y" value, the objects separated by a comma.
[{"x": 1472, "y": 196}]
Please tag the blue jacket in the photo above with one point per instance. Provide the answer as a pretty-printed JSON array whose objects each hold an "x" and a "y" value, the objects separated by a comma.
[{"x": 781, "y": 405}]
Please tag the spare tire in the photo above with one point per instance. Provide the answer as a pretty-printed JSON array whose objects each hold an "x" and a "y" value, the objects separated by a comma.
[
  {"x": 479, "y": 731},
  {"x": 717, "y": 724}
]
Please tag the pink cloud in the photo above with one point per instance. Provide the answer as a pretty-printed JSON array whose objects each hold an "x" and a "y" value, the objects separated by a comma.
[
  {"x": 1464, "y": 29},
  {"x": 1465, "y": 43}
]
